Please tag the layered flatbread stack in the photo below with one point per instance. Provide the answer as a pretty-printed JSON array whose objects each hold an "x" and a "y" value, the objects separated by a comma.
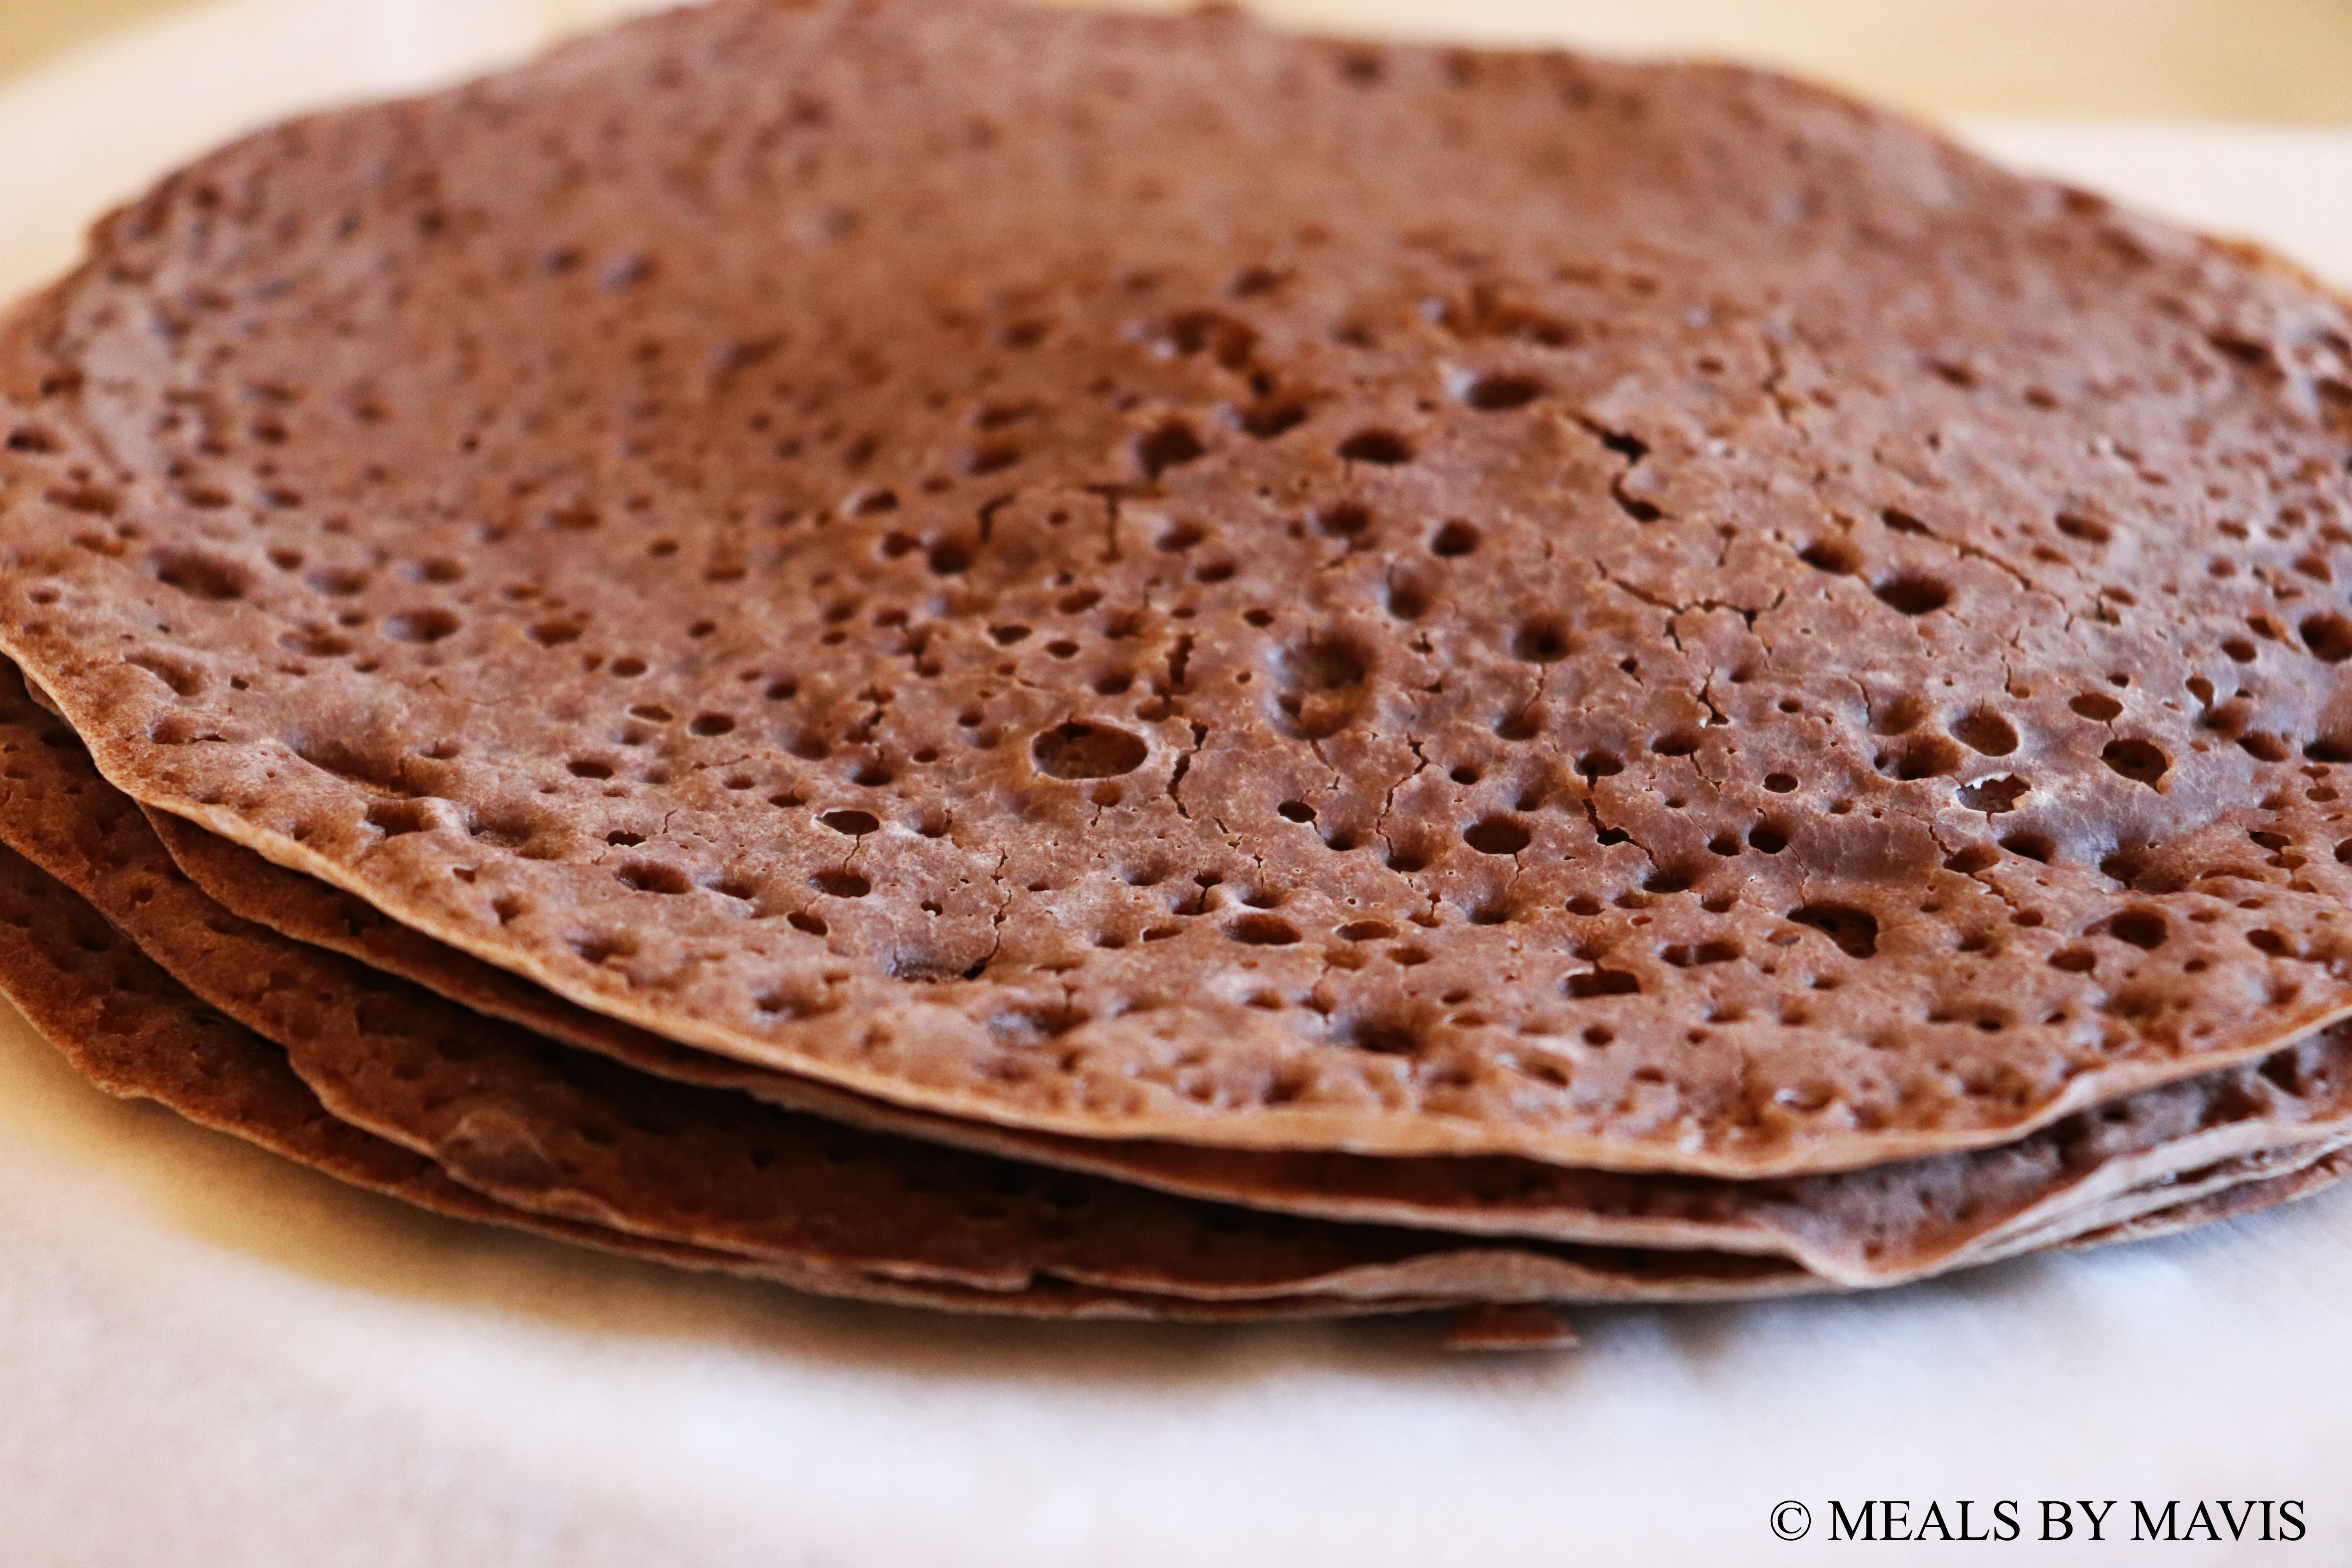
[{"x": 1082, "y": 664}]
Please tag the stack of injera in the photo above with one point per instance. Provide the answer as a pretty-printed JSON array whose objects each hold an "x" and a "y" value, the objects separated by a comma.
[{"x": 1082, "y": 664}]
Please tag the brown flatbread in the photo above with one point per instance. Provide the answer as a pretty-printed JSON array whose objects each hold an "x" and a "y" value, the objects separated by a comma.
[
  {"x": 1871, "y": 1228},
  {"x": 2267, "y": 1176},
  {"x": 2250, "y": 1197},
  {"x": 1952, "y": 1208},
  {"x": 1524, "y": 1327},
  {"x": 541, "y": 1128},
  {"x": 1144, "y": 577},
  {"x": 135, "y": 1032}
]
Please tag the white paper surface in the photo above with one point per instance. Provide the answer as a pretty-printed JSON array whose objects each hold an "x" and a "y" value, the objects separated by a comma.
[{"x": 208, "y": 1358}]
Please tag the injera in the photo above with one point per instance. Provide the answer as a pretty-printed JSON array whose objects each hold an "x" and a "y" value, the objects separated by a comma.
[
  {"x": 1872, "y": 1227},
  {"x": 2244, "y": 1198},
  {"x": 134, "y": 1032},
  {"x": 1145, "y": 577},
  {"x": 552, "y": 1130},
  {"x": 1951, "y": 1206}
]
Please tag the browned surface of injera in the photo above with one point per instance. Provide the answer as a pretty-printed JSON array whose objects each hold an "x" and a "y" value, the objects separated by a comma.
[
  {"x": 1867, "y": 1228},
  {"x": 1860, "y": 1227},
  {"x": 1144, "y": 577},
  {"x": 550, "y": 1129},
  {"x": 506, "y": 1119},
  {"x": 135, "y": 1032}
]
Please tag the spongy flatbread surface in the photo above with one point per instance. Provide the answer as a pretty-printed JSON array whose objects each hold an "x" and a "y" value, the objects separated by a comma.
[
  {"x": 135, "y": 1032},
  {"x": 1871, "y": 1228},
  {"x": 1147, "y": 578},
  {"x": 603, "y": 1153},
  {"x": 1860, "y": 1227},
  {"x": 555, "y": 1132}
]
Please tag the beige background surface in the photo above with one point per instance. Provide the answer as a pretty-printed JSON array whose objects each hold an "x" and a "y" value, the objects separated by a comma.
[{"x": 2287, "y": 61}]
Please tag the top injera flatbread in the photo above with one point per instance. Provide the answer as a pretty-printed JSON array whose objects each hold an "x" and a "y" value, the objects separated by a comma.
[{"x": 1144, "y": 577}]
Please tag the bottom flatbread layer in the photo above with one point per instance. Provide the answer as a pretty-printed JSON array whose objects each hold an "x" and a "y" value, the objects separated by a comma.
[
  {"x": 490, "y": 1102},
  {"x": 2239, "y": 1198}
]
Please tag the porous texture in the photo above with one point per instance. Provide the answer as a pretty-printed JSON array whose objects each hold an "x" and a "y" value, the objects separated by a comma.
[
  {"x": 323, "y": 915},
  {"x": 1144, "y": 577},
  {"x": 556, "y": 1131},
  {"x": 135, "y": 1032},
  {"x": 1865, "y": 1227},
  {"x": 1871, "y": 1228}
]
